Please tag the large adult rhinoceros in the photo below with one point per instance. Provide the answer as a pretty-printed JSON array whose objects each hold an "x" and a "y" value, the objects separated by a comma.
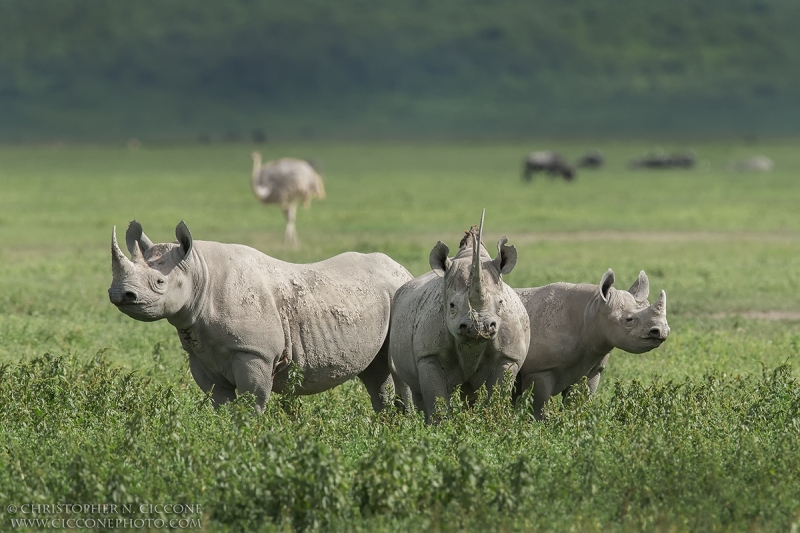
[
  {"x": 575, "y": 327},
  {"x": 457, "y": 325},
  {"x": 243, "y": 316}
]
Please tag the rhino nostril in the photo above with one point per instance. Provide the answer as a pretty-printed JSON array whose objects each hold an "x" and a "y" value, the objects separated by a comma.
[
  {"x": 129, "y": 296},
  {"x": 655, "y": 333},
  {"x": 463, "y": 328}
]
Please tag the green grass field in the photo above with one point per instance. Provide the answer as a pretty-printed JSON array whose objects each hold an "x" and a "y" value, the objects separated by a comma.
[{"x": 700, "y": 434}]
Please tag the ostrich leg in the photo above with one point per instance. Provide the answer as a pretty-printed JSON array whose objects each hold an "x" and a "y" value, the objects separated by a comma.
[{"x": 290, "y": 237}]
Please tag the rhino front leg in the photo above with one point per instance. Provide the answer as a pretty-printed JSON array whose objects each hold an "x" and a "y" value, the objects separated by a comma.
[
  {"x": 594, "y": 379},
  {"x": 252, "y": 374},
  {"x": 433, "y": 384},
  {"x": 503, "y": 374},
  {"x": 593, "y": 382},
  {"x": 219, "y": 394}
]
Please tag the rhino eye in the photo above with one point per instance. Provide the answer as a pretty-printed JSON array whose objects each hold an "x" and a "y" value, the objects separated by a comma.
[
  {"x": 161, "y": 281},
  {"x": 452, "y": 305},
  {"x": 629, "y": 319}
]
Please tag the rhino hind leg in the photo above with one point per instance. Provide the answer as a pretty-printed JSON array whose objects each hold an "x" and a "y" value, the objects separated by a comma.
[
  {"x": 542, "y": 383},
  {"x": 522, "y": 382},
  {"x": 378, "y": 380},
  {"x": 252, "y": 374}
]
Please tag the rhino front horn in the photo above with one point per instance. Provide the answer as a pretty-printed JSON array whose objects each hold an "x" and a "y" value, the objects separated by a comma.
[
  {"x": 120, "y": 265},
  {"x": 476, "y": 289}
]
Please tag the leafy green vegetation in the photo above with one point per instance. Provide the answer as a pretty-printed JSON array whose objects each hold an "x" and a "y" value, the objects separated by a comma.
[
  {"x": 93, "y": 69},
  {"x": 697, "y": 435},
  {"x": 712, "y": 452}
]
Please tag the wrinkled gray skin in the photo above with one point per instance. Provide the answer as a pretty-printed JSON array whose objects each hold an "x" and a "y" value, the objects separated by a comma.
[
  {"x": 574, "y": 327},
  {"x": 243, "y": 316},
  {"x": 457, "y": 325}
]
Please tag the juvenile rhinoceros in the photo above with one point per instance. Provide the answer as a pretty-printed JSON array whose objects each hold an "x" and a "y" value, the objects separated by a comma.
[
  {"x": 457, "y": 325},
  {"x": 243, "y": 316},
  {"x": 574, "y": 327}
]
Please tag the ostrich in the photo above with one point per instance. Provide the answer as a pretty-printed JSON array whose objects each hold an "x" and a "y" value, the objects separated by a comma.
[{"x": 286, "y": 182}]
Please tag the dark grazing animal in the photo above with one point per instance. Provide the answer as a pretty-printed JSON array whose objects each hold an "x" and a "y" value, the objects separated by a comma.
[
  {"x": 591, "y": 159},
  {"x": 549, "y": 162},
  {"x": 663, "y": 160}
]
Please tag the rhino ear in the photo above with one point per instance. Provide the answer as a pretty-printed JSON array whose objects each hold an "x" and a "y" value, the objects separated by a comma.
[
  {"x": 184, "y": 238},
  {"x": 506, "y": 256},
  {"x": 605, "y": 284},
  {"x": 439, "y": 259},
  {"x": 640, "y": 288}
]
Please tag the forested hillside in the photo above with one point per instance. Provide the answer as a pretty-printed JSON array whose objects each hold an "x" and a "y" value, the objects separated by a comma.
[{"x": 186, "y": 69}]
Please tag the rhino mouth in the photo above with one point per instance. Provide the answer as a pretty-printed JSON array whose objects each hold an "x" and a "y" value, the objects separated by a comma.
[
  {"x": 652, "y": 342},
  {"x": 474, "y": 338},
  {"x": 131, "y": 305},
  {"x": 137, "y": 312}
]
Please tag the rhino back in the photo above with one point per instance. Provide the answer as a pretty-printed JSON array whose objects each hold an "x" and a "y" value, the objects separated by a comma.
[
  {"x": 557, "y": 319},
  {"x": 558, "y": 305},
  {"x": 331, "y": 316}
]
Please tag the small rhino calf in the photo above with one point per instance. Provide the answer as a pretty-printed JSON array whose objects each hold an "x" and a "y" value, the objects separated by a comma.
[
  {"x": 245, "y": 317},
  {"x": 575, "y": 327}
]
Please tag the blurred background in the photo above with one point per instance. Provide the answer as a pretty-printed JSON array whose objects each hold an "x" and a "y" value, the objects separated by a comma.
[{"x": 249, "y": 70}]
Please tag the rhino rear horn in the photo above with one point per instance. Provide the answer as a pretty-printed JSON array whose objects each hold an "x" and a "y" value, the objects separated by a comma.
[
  {"x": 184, "y": 237},
  {"x": 606, "y": 283},
  {"x": 506, "y": 257},
  {"x": 136, "y": 241},
  {"x": 135, "y": 233},
  {"x": 640, "y": 288},
  {"x": 661, "y": 304},
  {"x": 439, "y": 259}
]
